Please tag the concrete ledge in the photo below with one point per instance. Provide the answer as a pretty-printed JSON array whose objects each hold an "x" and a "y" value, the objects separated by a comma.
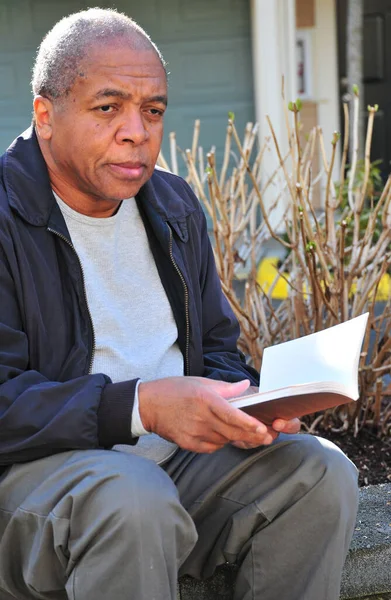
[{"x": 367, "y": 571}]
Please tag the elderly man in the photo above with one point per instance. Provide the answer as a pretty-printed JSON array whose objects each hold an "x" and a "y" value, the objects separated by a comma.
[{"x": 123, "y": 464}]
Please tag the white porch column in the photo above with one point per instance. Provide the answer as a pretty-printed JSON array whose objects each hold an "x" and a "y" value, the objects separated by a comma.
[
  {"x": 325, "y": 76},
  {"x": 274, "y": 56}
]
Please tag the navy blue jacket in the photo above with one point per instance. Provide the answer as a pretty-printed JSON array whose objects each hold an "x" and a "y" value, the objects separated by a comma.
[{"x": 49, "y": 401}]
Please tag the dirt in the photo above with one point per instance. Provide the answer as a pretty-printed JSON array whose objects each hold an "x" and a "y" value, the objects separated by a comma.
[{"x": 371, "y": 455}]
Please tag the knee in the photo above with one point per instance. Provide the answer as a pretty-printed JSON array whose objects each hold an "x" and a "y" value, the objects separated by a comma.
[
  {"x": 137, "y": 489},
  {"x": 145, "y": 504},
  {"x": 331, "y": 462},
  {"x": 118, "y": 500},
  {"x": 125, "y": 493},
  {"x": 330, "y": 474}
]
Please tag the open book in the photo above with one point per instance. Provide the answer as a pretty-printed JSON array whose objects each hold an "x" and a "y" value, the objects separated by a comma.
[{"x": 308, "y": 374}]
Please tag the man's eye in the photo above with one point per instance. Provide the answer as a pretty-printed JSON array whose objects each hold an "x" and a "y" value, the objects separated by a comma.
[
  {"x": 107, "y": 108},
  {"x": 156, "y": 112}
]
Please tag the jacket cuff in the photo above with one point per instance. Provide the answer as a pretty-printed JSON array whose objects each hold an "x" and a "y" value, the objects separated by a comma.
[{"x": 115, "y": 414}]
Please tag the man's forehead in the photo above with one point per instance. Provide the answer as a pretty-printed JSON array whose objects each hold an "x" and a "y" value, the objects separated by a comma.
[
  {"x": 110, "y": 92},
  {"x": 118, "y": 53},
  {"x": 112, "y": 71}
]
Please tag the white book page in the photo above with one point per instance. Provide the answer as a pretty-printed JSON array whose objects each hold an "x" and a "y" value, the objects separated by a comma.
[{"x": 329, "y": 355}]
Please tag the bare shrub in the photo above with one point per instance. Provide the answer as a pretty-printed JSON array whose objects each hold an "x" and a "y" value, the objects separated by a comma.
[{"x": 333, "y": 259}]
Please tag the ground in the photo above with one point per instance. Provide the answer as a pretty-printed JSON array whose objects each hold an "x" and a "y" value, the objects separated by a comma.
[{"x": 371, "y": 455}]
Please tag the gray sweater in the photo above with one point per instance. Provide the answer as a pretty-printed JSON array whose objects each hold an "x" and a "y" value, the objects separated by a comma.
[{"x": 134, "y": 327}]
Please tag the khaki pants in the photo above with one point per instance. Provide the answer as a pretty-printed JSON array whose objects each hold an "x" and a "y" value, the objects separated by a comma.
[{"x": 105, "y": 525}]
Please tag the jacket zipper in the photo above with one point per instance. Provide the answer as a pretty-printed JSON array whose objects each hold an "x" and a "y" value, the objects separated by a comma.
[
  {"x": 186, "y": 294},
  {"x": 62, "y": 237}
]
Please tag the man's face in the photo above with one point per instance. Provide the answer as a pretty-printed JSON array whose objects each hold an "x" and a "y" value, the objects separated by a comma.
[{"x": 106, "y": 134}]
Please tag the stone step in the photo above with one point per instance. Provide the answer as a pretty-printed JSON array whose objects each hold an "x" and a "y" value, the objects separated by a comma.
[{"x": 367, "y": 571}]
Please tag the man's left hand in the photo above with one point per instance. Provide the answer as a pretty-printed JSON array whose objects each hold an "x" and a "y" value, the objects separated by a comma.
[{"x": 278, "y": 426}]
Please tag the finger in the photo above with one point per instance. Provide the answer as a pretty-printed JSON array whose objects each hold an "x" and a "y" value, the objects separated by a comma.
[
  {"x": 273, "y": 433},
  {"x": 228, "y": 390},
  {"x": 267, "y": 440},
  {"x": 242, "y": 445},
  {"x": 214, "y": 437},
  {"x": 283, "y": 426},
  {"x": 235, "y": 418},
  {"x": 235, "y": 434},
  {"x": 247, "y": 439},
  {"x": 252, "y": 389},
  {"x": 208, "y": 448}
]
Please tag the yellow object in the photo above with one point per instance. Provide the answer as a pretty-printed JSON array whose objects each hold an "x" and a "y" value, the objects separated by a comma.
[
  {"x": 384, "y": 289},
  {"x": 267, "y": 275}
]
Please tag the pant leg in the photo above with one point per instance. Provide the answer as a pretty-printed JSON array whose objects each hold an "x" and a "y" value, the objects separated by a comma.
[
  {"x": 284, "y": 513},
  {"x": 91, "y": 525}
]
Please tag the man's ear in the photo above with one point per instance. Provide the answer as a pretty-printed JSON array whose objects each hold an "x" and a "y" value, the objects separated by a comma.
[{"x": 43, "y": 117}]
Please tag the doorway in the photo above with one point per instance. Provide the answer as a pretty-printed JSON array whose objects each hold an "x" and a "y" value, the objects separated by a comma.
[{"x": 377, "y": 71}]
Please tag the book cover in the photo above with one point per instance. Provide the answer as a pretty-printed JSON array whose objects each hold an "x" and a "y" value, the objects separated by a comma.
[{"x": 308, "y": 374}]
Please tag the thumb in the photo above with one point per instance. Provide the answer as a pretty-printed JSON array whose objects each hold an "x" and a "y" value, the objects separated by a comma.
[{"x": 231, "y": 390}]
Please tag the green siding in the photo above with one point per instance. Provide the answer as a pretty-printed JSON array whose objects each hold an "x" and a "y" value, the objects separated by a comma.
[{"x": 205, "y": 42}]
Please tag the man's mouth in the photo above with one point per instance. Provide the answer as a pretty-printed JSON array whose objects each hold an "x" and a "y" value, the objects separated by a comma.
[{"x": 128, "y": 170}]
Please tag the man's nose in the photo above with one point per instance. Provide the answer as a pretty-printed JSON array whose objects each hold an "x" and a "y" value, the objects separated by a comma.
[{"x": 132, "y": 129}]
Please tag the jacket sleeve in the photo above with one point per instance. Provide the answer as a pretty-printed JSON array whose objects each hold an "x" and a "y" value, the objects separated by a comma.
[
  {"x": 222, "y": 358},
  {"x": 39, "y": 417}
]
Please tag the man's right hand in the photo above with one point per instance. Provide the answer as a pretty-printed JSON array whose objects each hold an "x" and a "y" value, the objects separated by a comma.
[{"x": 194, "y": 413}]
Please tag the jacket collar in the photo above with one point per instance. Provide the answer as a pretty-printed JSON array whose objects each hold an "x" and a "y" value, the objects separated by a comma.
[
  {"x": 29, "y": 192},
  {"x": 26, "y": 179}
]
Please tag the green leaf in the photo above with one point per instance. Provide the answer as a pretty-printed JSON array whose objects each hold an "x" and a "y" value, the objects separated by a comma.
[
  {"x": 291, "y": 106},
  {"x": 231, "y": 116},
  {"x": 310, "y": 246},
  {"x": 299, "y": 104},
  {"x": 336, "y": 138}
]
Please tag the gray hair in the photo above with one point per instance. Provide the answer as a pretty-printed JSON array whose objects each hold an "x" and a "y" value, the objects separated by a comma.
[{"x": 62, "y": 50}]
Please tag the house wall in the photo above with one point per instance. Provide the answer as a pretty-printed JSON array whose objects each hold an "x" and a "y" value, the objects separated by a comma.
[
  {"x": 325, "y": 68},
  {"x": 273, "y": 37},
  {"x": 207, "y": 47},
  {"x": 316, "y": 23},
  {"x": 276, "y": 24},
  {"x": 305, "y": 13}
]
